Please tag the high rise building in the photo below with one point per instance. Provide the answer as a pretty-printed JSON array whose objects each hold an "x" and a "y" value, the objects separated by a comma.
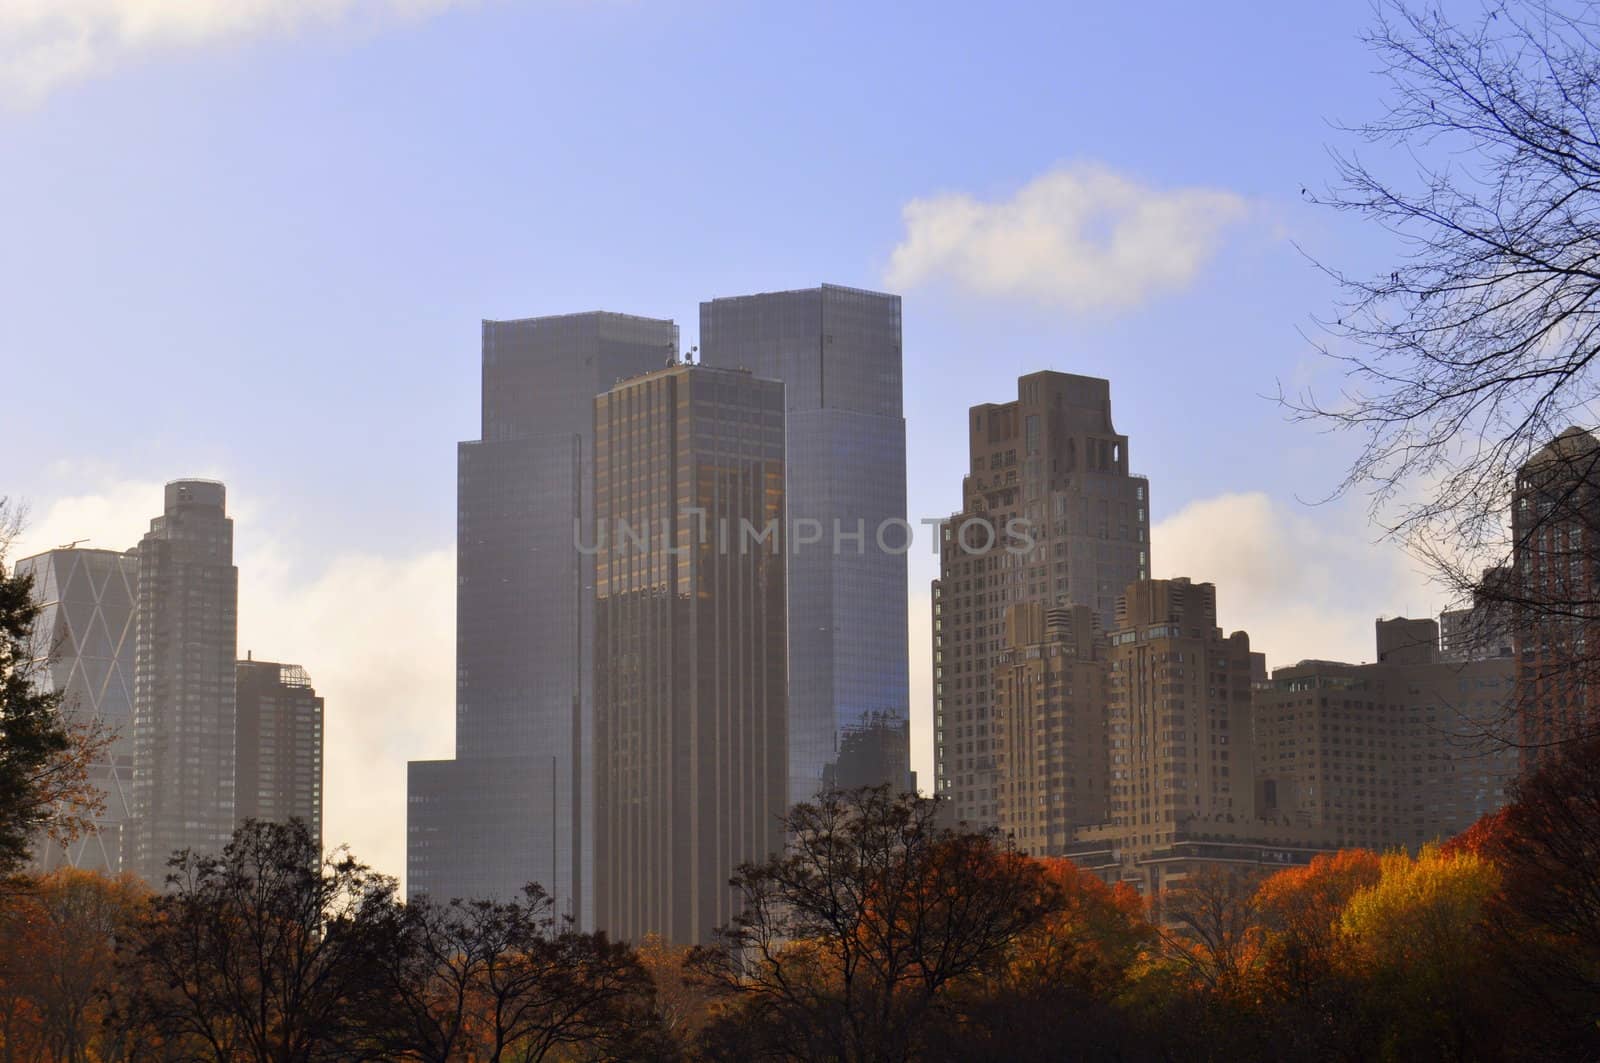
[
  {"x": 1483, "y": 630},
  {"x": 690, "y": 654},
  {"x": 1051, "y": 738},
  {"x": 1397, "y": 753},
  {"x": 514, "y": 805},
  {"x": 837, "y": 352},
  {"x": 1052, "y": 467},
  {"x": 184, "y": 678},
  {"x": 85, "y": 645},
  {"x": 278, "y": 743},
  {"x": 1555, "y": 526}
]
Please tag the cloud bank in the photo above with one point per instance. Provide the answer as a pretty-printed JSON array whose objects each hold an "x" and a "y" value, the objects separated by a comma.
[
  {"x": 1082, "y": 238},
  {"x": 1304, "y": 584},
  {"x": 376, "y": 634},
  {"x": 45, "y": 44}
]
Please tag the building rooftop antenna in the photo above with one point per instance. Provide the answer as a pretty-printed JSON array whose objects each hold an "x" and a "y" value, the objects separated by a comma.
[{"x": 72, "y": 545}]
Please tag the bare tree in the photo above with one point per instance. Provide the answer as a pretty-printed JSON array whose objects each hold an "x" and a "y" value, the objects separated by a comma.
[{"x": 1474, "y": 351}]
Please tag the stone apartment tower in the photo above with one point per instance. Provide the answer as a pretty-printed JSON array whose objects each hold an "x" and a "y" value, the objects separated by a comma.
[
  {"x": 278, "y": 745},
  {"x": 1053, "y": 461}
]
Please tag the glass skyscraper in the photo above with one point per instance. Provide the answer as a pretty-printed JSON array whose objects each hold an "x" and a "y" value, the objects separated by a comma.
[
  {"x": 837, "y": 352},
  {"x": 514, "y": 805},
  {"x": 85, "y": 638}
]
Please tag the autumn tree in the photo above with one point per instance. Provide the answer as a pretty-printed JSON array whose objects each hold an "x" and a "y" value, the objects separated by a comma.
[
  {"x": 58, "y": 942},
  {"x": 256, "y": 954},
  {"x": 1064, "y": 980},
  {"x": 848, "y": 946},
  {"x": 1545, "y": 917},
  {"x": 1418, "y": 933}
]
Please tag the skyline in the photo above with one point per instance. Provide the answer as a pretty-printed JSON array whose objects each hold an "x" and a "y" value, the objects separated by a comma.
[{"x": 327, "y": 544}]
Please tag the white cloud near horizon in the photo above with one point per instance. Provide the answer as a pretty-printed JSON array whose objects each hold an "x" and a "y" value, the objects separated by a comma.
[
  {"x": 45, "y": 44},
  {"x": 375, "y": 633},
  {"x": 1083, "y": 238},
  {"x": 1304, "y": 583}
]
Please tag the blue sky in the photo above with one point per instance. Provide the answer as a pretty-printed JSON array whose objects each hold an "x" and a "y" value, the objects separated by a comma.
[{"x": 254, "y": 240}]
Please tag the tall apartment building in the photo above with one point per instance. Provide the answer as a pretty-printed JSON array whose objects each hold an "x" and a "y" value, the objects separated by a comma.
[
  {"x": 1051, "y": 738},
  {"x": 514, "y": 804},
  {"x": 84, "y": 641},
  {"x": 1555, "y": 524},
  {"x": 278, "y": 744},
  {"x": 837, "y": 352},
  {"x": 690, "y": 641},
  {"x": 1052, "y": 460},
  {"x": 1484, "y": 630},
  {"x": 184, "y": 678},
  {"x": 1396, "y": 753}
]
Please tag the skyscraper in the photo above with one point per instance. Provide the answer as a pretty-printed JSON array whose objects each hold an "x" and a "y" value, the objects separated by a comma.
[
  {"x": 1555, "y": 526},
  {"x": 513, "y": 806},
  {"x": 1051, "y": 466},
  {"x": 184, "y": 678},
  {"x": 837, "y": 352},
  {"x": 86, "y": 642},
  {"x": 1050, "y": 729},
  {"x": 690, "y": 649},
  {"x": 279, "y": 745}
]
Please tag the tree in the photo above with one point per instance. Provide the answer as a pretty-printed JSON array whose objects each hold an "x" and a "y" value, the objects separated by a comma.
[
  {"x": 849, "y": 945},
  {"x": 58, "y": 958},
  {"x": 1418, "y": 932},
  {"x": 1545, "y": 918},
  {"x": 44, "y": 762},
  {"x": 1211, "y": 927},
  {"x": 504, "y": 980},
  {"x": 259, "y": 953},
  {"x": 1476, "y": 348}
]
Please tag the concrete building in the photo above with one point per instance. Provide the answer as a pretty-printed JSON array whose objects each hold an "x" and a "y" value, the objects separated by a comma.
[
  {"x": 1051, "y": 467},
  {"x": 1051, "y": 739},
  {"x": 690, "y": 644},
  {"x": 837, "y": 352},
  {"x": 1555, "y": 524},
  {"x": 1398, "y": 753},
  {"x": 184, "y": 678},
  {"x": 514, "y": 805},
  {"x": 85, "y": 645},
  {"x": 278, "y": 745}
]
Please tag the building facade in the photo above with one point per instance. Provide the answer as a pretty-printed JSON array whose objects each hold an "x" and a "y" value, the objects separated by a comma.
[
  {"x": 186, "y": 631},
  {"x": 1051, "y": 467},
  {"x": 837, "y": 352},
  {"x": 1405, "y": 751},
  {"x": 1555, "y": 526},
  {"x": 278, "y": 745},
  {"x": 690, "y": 655},
  {"x": 524, "y": 607},
  {"x": 85, "y": 645},
  {"x": 1051, "y": 739}
]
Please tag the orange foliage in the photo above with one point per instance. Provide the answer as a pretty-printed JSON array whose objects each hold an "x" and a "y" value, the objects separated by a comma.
[{"x": 1091, "y": 937}]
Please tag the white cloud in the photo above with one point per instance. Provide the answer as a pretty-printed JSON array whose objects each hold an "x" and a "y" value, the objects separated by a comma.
[
  {"x": 1083, "y": 238},
  {"x": 1304, "y": 584},
  {"x": 48, "y": 43},
  {"x": 376, "y": 634}
]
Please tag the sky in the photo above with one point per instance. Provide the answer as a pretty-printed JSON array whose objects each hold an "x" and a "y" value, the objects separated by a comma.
[{"x": 253, "y": 240}]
